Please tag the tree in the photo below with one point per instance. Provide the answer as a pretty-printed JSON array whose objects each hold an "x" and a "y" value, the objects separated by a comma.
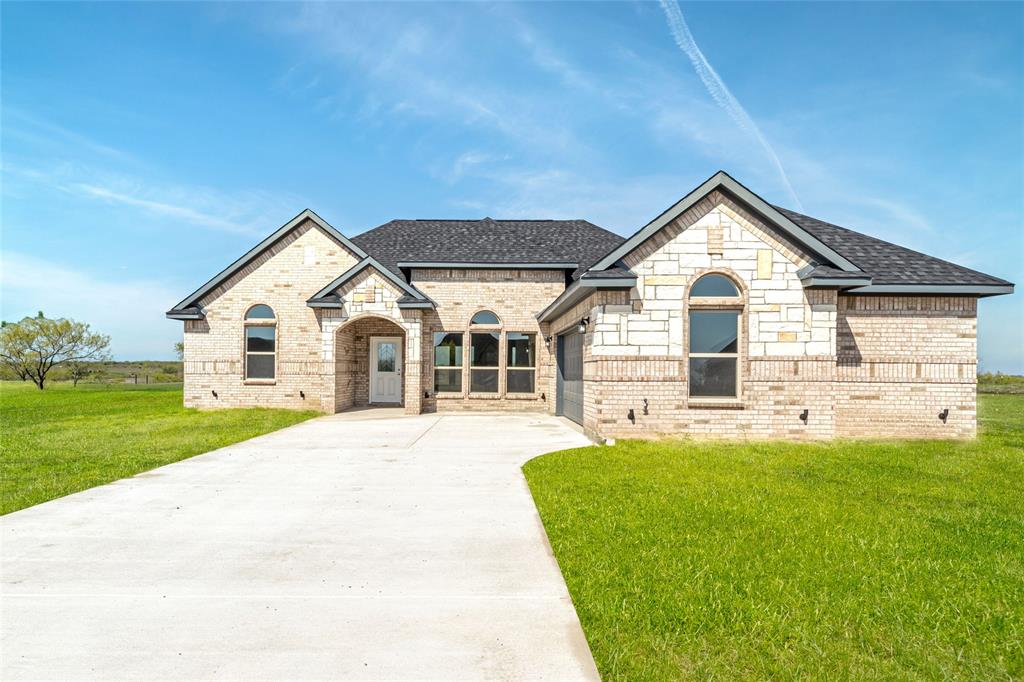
[
  {"x": 78, "y": 370},
  {"x": 36, "y": 345},
  {"x": 179, "y": 350}
]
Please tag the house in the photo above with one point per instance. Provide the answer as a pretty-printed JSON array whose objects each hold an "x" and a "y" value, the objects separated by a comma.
[{"x": 725, "y": 316}]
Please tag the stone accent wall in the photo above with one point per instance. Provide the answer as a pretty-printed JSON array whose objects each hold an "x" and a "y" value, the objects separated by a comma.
[
  {"x": 284, "y": 278},
  {"x": 369, "y": 304},
  {"x": 515, "y": 296},
  {"x": 860, "y": 366}
]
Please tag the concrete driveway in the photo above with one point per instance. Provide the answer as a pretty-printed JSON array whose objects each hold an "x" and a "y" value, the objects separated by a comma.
[{"x": 361, "y": 545}]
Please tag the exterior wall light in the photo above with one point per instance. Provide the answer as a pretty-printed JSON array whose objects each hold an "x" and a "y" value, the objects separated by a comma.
[
  {"x": 302, "y": 395},
  {"x": 214, "y": 393},
  {"x": 804, "y": 415},
  {"x": 944, "y": 415},
  {"x": 584, "y": 321}
]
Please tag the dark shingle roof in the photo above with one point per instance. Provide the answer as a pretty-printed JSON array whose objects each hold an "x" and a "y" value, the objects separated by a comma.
[
  {"x": 888, "y": 263},
  {"x": 488, "y": 241}
]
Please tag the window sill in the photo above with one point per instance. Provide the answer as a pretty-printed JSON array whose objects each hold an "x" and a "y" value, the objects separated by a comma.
[
  {"x": 448, "y": 396},
  {"x": 523, "y": 396},
  {"x": 717, "y": 403},
  {"x": 260, "y": 382},
  {"x": 484, "y": 396}
]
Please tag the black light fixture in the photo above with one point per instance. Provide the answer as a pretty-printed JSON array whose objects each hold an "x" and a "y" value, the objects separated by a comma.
[
  {"x": 804, "y": 415},
  {"x": 547, "y": 342},
  {"x": 214, "y": 393},
  {"x": 302, "y": 395},
  {"x": 645, "y": 406},
  {"x": 584, "y": 321},
  {"x": 944, "y": 415},
  {"x": 544, "y": 397},
  {"x": 426, "y": 394},
  {"x": 631, "y": 416}
]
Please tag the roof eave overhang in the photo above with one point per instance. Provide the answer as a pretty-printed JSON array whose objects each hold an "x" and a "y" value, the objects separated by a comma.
[
  {"x": 254, "y": 252},
  {"x": 184, "y": 315},
  {"x": 415, "y": 304},
  {"x": 579, "y": 290},
  {"x": 835, "y": 282},
  {"x": 367, "y": 262},
  {"x": 723, "y": 181},
  {"x": 980, "y": 290},
  {"x": 488, "y": 265}
]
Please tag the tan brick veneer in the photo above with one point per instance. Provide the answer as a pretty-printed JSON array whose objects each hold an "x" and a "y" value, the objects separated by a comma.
[
  {"x": 515, "y": 296},
  {"x": 862, "y": 366}
]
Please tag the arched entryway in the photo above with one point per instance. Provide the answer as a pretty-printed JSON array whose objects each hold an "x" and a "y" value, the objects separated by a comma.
[{"x": 371, "y": 361}]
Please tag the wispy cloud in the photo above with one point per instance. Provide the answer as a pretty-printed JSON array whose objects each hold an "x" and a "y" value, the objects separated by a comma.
[
  {"x": 129, "y": 310},
  {"x": 718, "y": 90},
  {"x": 184, "y": 213},
  {"x": 246, "y": 211}
]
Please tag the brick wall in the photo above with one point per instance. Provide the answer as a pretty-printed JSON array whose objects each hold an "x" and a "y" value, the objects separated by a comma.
[
  {"x": 901, "y": 361},
  {"x": 352, "y": 359},
  {"x": 284, "y": 277},
  {"x": 860, "y": 366},
  {"x": 515, "y": 296}
]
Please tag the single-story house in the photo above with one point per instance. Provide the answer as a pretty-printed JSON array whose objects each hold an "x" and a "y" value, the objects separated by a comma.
[{"x": 725, "y": 316}]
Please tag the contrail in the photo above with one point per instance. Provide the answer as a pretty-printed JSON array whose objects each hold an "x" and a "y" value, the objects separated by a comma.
[{"x": 716, "y": 87}]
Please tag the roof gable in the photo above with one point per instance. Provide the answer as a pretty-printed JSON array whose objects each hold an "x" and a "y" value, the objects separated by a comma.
[
  {"x": 722, "y": 181},
  {"x": 326, "y": 297},
  {"x": 188, "y": 303}
]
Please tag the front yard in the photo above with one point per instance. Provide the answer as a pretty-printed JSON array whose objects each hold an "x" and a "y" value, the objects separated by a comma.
[
  {"x": 64, "y": 439},
  {"x": 850, "y": 560}
]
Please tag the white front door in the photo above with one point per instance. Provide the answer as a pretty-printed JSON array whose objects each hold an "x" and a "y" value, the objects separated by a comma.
[{"x": 385, "y": 369}]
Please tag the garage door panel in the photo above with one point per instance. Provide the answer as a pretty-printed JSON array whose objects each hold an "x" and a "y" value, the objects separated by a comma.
[{"x": 570, "y": 376}]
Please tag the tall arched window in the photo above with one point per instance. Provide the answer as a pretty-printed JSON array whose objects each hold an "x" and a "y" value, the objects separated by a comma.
[
  {"x": 484, "y": 352},
  {"x": 715, "y": 311},
  {"x": 260, "y": 343}
]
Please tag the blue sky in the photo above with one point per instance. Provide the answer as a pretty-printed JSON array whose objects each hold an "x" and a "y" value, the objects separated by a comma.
[{"x": 146, "y": 146}]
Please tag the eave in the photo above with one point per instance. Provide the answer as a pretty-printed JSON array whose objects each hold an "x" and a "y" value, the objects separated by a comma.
[{"x": 579, "y": 290}]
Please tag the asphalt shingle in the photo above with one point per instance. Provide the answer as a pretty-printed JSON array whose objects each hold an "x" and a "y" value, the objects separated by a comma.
[
  {"x": 488, "y": 241},
  {"x": 888, "y": 263}
]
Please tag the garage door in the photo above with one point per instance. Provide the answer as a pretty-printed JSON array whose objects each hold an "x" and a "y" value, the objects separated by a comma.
[{"x": 570, "y": 376}]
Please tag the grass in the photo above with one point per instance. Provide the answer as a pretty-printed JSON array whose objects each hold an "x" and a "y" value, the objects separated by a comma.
[
  {"x": 63, "y": 440},
  {"x": 849, "y": 560}
]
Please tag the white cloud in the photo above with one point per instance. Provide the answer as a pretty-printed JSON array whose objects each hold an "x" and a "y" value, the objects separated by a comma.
[
  {"x": 247, "y": 212},
  {"x": 131, "y": 311}
]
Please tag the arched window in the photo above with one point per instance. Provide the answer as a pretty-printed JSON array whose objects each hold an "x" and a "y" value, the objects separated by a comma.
[
  {"x": 715, "y": 311},
  {"x": 260, "y": 343},
  {"x": 485, "y": 317},
  {"x": 484, "y": 352}
]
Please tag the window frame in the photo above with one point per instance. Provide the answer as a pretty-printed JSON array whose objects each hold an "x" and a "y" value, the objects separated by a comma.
[
  {"x": 496, "y": 367},
  {"x": 259, "y": 323},
  {"x": 461, "y": 335},
  {"x": 711, "y": 304},
  {"x": 532, "y": 336}
]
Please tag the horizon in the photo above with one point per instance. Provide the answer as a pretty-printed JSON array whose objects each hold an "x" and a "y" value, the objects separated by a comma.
[{"x": 151, "y": 145}]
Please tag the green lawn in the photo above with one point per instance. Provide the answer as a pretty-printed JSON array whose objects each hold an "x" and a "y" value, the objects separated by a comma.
[
  {"x": 850, "y": 560},
  {"x": 62, "y": 440}
]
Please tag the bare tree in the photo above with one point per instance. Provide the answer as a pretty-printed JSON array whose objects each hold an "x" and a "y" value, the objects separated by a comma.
[
  {"x": 36, "y": 345},
  {"x": 78, "y": 370},
  {"x": 179, "y": 350}
]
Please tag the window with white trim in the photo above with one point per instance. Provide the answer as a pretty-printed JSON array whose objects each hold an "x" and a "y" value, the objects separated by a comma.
[
  {"x": 260, "y": 343},
  {"x": 715, "y": 311}
]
